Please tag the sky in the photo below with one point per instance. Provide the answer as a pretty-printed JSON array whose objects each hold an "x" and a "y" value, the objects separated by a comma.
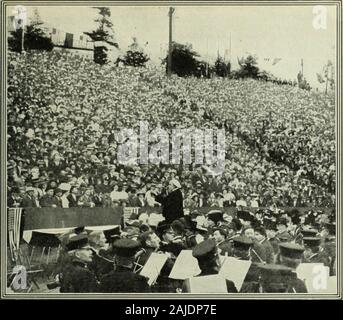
[{"x": 270, "y": 32}]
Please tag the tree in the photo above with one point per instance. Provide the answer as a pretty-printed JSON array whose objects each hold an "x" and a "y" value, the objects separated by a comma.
[
  {"x": 327, "y": 76},
  {"x": 184, "y": 62},
  {"x": 222, "y": 69},
  {"x": 248, "y": 67},
  {"x": 34, "y": 36},
  {"x": 135, "y": 59},
  {"x": 103, "y": 35},
  {"x": 135, "y": 56}
]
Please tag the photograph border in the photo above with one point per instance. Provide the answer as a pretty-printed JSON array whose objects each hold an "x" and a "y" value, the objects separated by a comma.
[{"x": 164, "y": 296}]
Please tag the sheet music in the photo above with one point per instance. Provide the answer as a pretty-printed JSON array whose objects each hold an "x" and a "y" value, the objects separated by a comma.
[
  {"x": 235, "y": 270},
  {"x": 186, "y": 266},
  {"x": 153, "y": 266}
]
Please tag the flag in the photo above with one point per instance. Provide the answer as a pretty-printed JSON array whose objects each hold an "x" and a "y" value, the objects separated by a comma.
[{"x": 13, "y": 222}]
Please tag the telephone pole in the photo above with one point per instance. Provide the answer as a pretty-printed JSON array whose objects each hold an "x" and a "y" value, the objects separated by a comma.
[
  {"x": 170, "y": 50},
  {"x": 302, "y": 66}
]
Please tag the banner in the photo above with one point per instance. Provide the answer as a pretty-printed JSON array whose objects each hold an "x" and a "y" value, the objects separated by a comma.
[{"x": 55, "y": 218}]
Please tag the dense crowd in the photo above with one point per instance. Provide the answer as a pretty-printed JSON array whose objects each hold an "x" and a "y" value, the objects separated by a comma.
[
  {"x": 112, "y": 261},
  {"x": 64, "y": 113}
]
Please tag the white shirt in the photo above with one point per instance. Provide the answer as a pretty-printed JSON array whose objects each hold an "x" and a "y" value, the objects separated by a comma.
[
  {"x": 119, "y": 195},
  {"x": 241, "y": 203},
  {"x": 254, "y": 204},
  {"x": 65, "y": 201}
]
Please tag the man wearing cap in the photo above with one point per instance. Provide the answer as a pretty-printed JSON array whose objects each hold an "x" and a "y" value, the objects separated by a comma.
[
  {"x": 207, "y": 256},
  {"x": 172, "y": 201},
  {"x": 123, "y": 279},
  {"x": 313, "y": 252},
  {"x": 241, "y": 246},
  {"x": 76, "y": 276},
  {"x": 291, "y": 255},
  {"x": 279, "y": 279}
]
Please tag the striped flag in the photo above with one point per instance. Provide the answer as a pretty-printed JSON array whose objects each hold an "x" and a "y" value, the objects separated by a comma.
[{"x": 13, "y": 222}]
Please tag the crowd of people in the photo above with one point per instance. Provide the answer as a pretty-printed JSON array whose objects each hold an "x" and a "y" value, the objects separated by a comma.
[
  {"x": 64, "y": 114},
  {"x": 111, "y": 261}
]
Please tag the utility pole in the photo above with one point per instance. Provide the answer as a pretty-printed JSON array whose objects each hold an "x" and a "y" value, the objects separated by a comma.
[
  {"x": 171, "y": 11},
  {"x": 230, "y": 47},
  {"x": 302, "y": 66}
]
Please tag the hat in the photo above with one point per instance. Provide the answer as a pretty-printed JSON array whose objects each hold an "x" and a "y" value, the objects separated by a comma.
[
  {"x": 77, "y": 242},
  {"x": 126, "y": 247},
  {"x": 215, "y": 216},
  {"x": 140, "y": 192},
  {"x": 112, "y": 233},
  {"x": 163, "y": 227},
  {"x": 134, "y": 223},
  {"x": 245, "y": 215},
  {"x": 273, "y": 269},
  {"x": 291, "y": 250},
  {"x": 242, "y": 243},
  {"x": 64, "y": 186},
  {"x": 269, "y": 224},
  {"x": 283, "y": 221},
  {"x": 309, "y": 232},
  {"x": 29, "y": 189},
  {"x": 311, "y": 241},
  {"x": 205, "y": 249}
]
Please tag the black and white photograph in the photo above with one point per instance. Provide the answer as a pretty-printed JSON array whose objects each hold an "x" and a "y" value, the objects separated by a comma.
[{"x": 171, "y": 149}]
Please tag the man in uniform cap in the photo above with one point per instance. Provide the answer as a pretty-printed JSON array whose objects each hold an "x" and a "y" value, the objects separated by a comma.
[
  {"x": 76, "y": 276},
  {"x": 279, "y": 279},
  {"x": 241, "y": 247},
  {"x": 206, "y": 253},
  {"x": 241, "y": 250},
  {"x": 291, "y": 254},
  {"x": 123, "y": 279},
  {"x": 313, "y": 252}
]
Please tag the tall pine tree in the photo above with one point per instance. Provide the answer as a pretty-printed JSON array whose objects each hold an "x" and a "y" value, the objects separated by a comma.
[{"x": 103, "y": 35}]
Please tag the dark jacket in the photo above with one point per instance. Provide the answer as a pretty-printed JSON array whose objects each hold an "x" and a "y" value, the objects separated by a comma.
[
  {"x": 72, "y": 202},
  {"x": 49, "y": 201},
  {"x": 123, "y": 280},
  {"x": 77, "y": 278},
  {"x": 29, "y": 202},
  {"x": 172, "y": 205}
]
